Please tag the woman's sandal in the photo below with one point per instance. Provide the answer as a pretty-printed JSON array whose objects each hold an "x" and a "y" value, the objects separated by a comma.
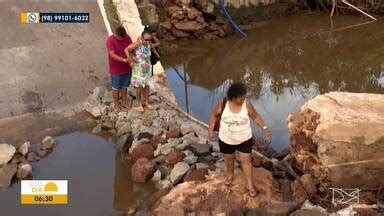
[
  {"x": 252, "y": 193},
  {"x": 124, "y": 109},
  {"x": 140, "y": 108},
  {"x": 228, "y": 181}
]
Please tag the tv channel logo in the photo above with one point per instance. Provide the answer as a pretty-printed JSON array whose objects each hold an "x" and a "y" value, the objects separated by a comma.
[{"x": 27, "y": 17}]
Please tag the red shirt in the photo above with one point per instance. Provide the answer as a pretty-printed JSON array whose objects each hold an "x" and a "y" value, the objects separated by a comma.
[{"x": 117, "y": 67}]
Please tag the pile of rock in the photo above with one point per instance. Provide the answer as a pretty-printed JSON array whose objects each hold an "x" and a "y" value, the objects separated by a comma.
[
  {"x": 170, "y": 149},
  {"x": 185, "y": 19},
  {"x": 16, "y": 162}
]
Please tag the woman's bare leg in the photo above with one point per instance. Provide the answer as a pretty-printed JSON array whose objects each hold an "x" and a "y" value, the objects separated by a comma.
[
  {"x": 229, "y": 164},
  {"x": 146, "y": 96},
  {"x": 246, "y": 164},
  {"x": 139, "y": 99}
]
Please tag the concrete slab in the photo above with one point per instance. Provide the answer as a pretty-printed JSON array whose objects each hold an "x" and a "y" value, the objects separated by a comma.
[{"x": 50, "y": 67}]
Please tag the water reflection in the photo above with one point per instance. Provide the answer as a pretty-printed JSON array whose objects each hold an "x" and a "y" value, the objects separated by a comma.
[
  {"x": 99, "y": 180},
  {"x": 283, "y": 64}
]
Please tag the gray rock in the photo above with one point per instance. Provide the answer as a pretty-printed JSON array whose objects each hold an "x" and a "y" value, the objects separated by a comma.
[
  {"x": 165, "y": 149},
  {"x": 190, "y": 158},
  {"x": 207, "y": 159},
  {"x": 174, "y": 142},
  {"x": 42, "y": 153},
  {"x": 137, "y": 126},
  {"x": 6, "y": 153},
  {"x": 98, "y": 93},
  {"x": 280, "y": 208},
  {"x": 32, "y": 157},
  {"x": 126, "y": 128},
  {"x": 200, "y": 149},
  {"x": 96, "y": 111},
  {"x": 164, "y": 185},
  {"x": 24, "y": 149},
  {"x": 144, "y": 135},
  {"x": 201, "y": 132},
  {"x": 220, "y": 165},
  {"x": 159, "y": 159},
  {"x": 186, "y": 128},
  {"x": 190, "y": 138},
  {"x": 24, "y": 170},
  {"x": 16, "y": 158},
  {"x": 48, "y": 143},
  {"x": 178, "y": 172},
  {"x": 201, "y": 166},
  {"x": 182, "y": 146},
  {"x": 96, "y": 129},
  {"x": 108, "y": 98},
  {"x": 124, "y": 143},
  {"x": 7, "y": 172},
  {"x": 215, "y": 146},
  {"x": 107, "y": 125},
  {"x": 164, "y": 170},
  {"x": 157, "y": 176}
]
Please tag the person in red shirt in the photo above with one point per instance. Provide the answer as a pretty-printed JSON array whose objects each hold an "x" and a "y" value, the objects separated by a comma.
[{"x": 119, "y": 66}]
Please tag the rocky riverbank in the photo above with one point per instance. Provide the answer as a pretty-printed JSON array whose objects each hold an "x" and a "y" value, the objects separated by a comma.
[
  {"x": 195, "y": 19},
  {"x": 16, "y": 164},
  {"x": 171, "y": 150}
]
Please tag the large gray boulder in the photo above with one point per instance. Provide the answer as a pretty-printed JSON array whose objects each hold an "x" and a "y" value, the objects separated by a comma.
[
  {"x": 7, "y": 172},
  {"x": 6, "y": 153},
  {"x": 148, "y": 14},
  {"x": 178, "y": 172},
  {"x": 339, "y": 138}
]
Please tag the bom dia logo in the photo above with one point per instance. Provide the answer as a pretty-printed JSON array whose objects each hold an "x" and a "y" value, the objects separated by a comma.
[{"x": 44, "y": 192}]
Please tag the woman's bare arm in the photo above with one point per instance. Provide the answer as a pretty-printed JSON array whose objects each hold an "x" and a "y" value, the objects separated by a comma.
[
  {"x": 257, "y": 119},
  {"x": 130, "y": 48},
  {"x": 157, "y": 42},
  {"x": 212, "y": 120}
]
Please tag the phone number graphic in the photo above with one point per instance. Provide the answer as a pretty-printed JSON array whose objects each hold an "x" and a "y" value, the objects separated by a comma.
[{"x": 64, "y": 17}]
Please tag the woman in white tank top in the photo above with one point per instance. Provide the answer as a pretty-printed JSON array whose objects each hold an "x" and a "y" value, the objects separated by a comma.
[{"x": 235, "y": 132}]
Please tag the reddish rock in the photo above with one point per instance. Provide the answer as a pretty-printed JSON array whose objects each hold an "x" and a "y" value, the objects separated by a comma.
[
  {"x": 210, "y": 36},
  {"x": 190, "y": 26},
  {"x": 257, "y": 161},
  {"x": 166, "y": 25},
  {"x": 298, "y": 192},
  {"x": 142, "y": 170},
  {"x": 212, "y": 195},
  {"x": 183, "y": 2},
  {"x": 196, "y": 175},
  {"x": 180, "y": 34},
  {"x": 173, "y": 9},
  {"x": 174, "y": 157},
  {"x": 309, "y": 183},
  {"x": 155, "y": 141},
  {"x": 193, "y": 13},
  {"x": 142, "y": 151},
  {"x": 173, "y": 133}
]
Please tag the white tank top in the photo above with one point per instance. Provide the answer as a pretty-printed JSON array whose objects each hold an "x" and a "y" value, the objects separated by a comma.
[{"x": 235, "y": 128}]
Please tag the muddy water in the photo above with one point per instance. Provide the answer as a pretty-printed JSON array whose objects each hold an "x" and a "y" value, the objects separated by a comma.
[
  {"x": 98, "y": 180},
  {"x": 284, "y": 63}
]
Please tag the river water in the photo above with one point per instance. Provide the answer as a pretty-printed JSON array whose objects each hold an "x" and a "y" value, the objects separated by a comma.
[
  {"x": 284, "y": 63},
  {"x": 99, "y": 180}
]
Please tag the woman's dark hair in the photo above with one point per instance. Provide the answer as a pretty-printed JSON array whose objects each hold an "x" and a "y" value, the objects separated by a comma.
[
  {"x": 120, "y": 31},
  {"x": 151, "y": 28},
  {"x": 146, "y": 31},
  {"x": 236, "y": 89}
]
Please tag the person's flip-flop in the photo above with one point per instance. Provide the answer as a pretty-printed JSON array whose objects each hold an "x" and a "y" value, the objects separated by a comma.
[
  {"x": 252, "y": 193},
  {"x": 149, "y": 106},
  {"x": 140, "y": 109},
  {"x": 228, "y": 181},
  {"x": 125, "y": 109}
]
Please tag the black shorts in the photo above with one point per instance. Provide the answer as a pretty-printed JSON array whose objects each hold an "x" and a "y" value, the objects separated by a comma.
[{"x": 245, "y": 147}]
